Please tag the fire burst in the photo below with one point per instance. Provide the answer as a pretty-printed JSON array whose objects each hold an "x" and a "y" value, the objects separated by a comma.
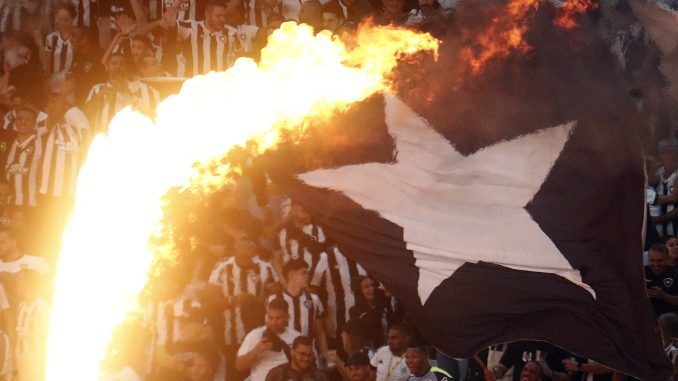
[{"x": 105, "y": 257}]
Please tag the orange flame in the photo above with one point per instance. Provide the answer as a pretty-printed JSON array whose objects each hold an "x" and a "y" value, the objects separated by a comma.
[
  {"x": 565, "y": 18},
  {"x": 105, "y": 257}
]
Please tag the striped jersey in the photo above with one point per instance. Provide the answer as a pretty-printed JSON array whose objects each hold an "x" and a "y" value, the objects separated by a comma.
[
  {"x": 235, "y": 280},
  {"x": 22, "y": 170},
  {"x": 10, "y": 117},
  {"x": 193, "y": 10},
  {"x": 307, "y": 243},
  {"x": 31, "y": 325},
  {"x": 104, "y": 101},
  {"x": 204, "y": 51},
  {"x": 60, "y": 53},
  {"x": 85, "y": 12},
  {"x": 304, "y": 310},
  {"x": 61, "y": 157},
  {"x": 334, "y": 274}
]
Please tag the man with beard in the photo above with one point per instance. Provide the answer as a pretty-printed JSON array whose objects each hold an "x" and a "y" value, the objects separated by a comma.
[{"x": 301, "y": 365}]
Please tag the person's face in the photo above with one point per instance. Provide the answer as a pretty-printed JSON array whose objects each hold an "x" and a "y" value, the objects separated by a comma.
[
  {"x": 657, "y": 261},
  {"x": 359, "y": 372},
  {"x": 243, "y": 252},
  {"x": 393, "y": 6},
  {"x": 416, "y": 361},
  {"x": 199, "y": 369},
  {"x": 138, "y": 50},
  {"x": 299, "y": 277},
  {"x": 215, "y": 18},
  {"x": 367, "y": 286},
  {"x": 276, "y": 320},
  {"x": 25, "y": 122},
  {"x": 331, "y": 22},
  {"x": 116, "y": 67},
  {"x": 396, "y": 341},
  {"x": 7, "y": 244},
  {"x": 63, "y": 20},
  {"x": 302, "y": 356},
  {"x": 672, "y": 247},
  {"x": 531, "y": 372}
]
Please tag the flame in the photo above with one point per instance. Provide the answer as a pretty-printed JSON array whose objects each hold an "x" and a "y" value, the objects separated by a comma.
[
  {"x": 506, "y": 31},
  {"x": 570, "y": 9},
  {"x": 504, "y": 34},
  {"x": 105, "y": 256}
]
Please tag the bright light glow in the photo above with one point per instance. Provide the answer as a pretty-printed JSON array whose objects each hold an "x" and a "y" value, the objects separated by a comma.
[{"x": 105, "y": 257}]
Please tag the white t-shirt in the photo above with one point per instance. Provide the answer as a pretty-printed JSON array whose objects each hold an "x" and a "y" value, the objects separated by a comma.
[
  {"x": 30, "y": 262},
  {"x": 389, "y": 367},
  {"x": 266, "y": 360}
]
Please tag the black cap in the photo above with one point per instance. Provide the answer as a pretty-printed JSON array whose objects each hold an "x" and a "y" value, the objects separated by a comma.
[{"x": 358, "y": 358}]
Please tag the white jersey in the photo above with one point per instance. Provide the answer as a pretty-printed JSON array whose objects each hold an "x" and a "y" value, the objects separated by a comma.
[
  {"x": 30, "y": 262},
  {"x": 390, "y": 367},
  {"x": 665, "y": 188},
  {"x": 267, "y": 359}
]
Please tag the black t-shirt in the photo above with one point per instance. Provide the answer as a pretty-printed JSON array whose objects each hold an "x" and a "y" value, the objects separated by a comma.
[
  {"x": 520, "y": 350},
  {"x": 667, "y": 281}
]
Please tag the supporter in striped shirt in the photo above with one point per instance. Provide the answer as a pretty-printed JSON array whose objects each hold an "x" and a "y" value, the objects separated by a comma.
[
  {"x": 205, "y": 45},
  {"x": 106, "y": 99},
  {"x": 57, "y": 51},
  {"x": 23, "y": 162},
  {"x": 299, "y": 238},
  {"x": 334, "y": 276},
  {"x": 305, "y": 309},
  {"x": 237, "y": 285}
]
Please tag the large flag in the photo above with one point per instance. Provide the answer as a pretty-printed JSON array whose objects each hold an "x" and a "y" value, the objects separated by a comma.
[{"x": 498, "y": 206}]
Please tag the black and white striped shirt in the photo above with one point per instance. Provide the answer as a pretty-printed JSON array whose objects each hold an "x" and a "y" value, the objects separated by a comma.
[
  {"x": 194, "y": 10},
  {"x": 307, "y": 243},
  {"x": 304, "y": 311},
  {"x": 60, "y": 52},
  {"x": 204, "y": 51},
  {"x": 234, "y": 281},
  {"x": 22, "y": 170},
  {"x": 334, "y": 274},
  {"x": 10, "y": 125},
  {"x": 85, "y": 12},
  {"x": 104, "y": 101},
  {"x": 61, "y": 157}
]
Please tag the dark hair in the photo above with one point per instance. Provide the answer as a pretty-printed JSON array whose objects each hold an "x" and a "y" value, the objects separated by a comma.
[
  {"x": 418, "y": 344},
  {"x": 116, "y": 54},
  {"x": 403, "y": 328},
  {"x": 68, "y": 7},
  {"x": 278, "y": 304},
  {"x": 294, "y": 265},
  {"x": 659, "y": 248},
  {"x": 334, "y": 8},
  {"x": 302, "y": 340}
]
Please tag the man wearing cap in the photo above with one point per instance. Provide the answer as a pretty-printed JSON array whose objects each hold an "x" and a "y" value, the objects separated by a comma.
[{"x": 665, "y": 216}]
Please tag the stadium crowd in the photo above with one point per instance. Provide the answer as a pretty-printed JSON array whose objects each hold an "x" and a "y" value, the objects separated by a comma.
[{"x": 282, "y": 304}]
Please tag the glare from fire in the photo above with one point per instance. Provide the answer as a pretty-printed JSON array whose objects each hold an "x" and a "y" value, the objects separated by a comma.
[
  {"x": 506, "y": 31},
  {"x": 105, "y": 256}
]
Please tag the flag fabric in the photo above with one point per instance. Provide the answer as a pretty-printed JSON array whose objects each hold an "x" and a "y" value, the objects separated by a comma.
[{"x": 500, "y": 206}]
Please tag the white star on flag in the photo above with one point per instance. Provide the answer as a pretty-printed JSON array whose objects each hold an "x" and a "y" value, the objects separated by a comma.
[{"x": 456, "y": 209}]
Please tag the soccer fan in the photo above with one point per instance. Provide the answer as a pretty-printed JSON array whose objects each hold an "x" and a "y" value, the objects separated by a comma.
[
  {"x": 311, "y": 13},
  {"x": 26, "y": 76},
  {"x": 548, "y": 358},
  {"x": 106, "y": 99},
  {"x": 354, "y": 11},
  {"x": 393, "y": 13},
  {"x": 23, "y": 163},
  {"x": 86, "y": 69},
  {"x": 304, "y": 308},
  {"x": 417, "y": 359},
  {"x": 389, "y": 360},
  {"x": 266, "y": 347},
  {"x": 12, "y": 260},
  {"x": 667, "y": 193},
  {"x": 371, "y": 309},
  {"x": 334, "y": 276},
  {"x": 31, "y": 328},
  {"x": 300, "y": 366},
  {"x": 200, "y": 367},
  {"x": 333, "y": 17},
  {"x": 237, "y": 286},
  {"x": 671, "y": 243},
  {"x": 57, "y": 51},
  {"x": 661, "y": 281}
]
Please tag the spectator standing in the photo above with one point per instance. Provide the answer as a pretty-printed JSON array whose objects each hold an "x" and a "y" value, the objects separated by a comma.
[
  {"x": 667, "y": 192},
  {"x": 389, "y": 360},
  {"x": 333, "y": 17},
  {"x": 237, "y": 286},
  {"x": 31, "y": 328},
  {"x": 354, "y": 11},
  {"x": 200, "y": 368},
  {"x": 301, "y": 366},
  {"x": 108, "y": 98},
  {"x": 23, "y": 163},
  {"x": 671, "y": 243},
  {"x": 304, "y": 308},
  {"x": 393, "y": 13},
  {"x": 57, "y": 51},
  {"x": 266, "y": 347},
  {"x": 371, "y": 309},
  {"x": 520, "y": 354},
  {"x": 417, "y": 359}
]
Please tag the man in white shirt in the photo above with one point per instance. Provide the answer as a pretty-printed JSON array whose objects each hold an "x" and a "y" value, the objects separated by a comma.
[
  {"x": 268, "y": 346},
  {"x": 390, "y": 359}
]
